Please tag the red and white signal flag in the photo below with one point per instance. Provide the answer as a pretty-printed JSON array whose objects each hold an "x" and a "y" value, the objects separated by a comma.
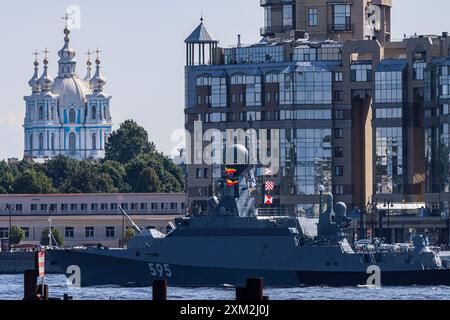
[
  {"x": 268, "y": 200},
  {"x": 270, "y": 185}
]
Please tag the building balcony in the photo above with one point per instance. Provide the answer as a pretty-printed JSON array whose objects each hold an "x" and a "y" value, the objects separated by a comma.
[
  {"x": 270, "y": 31},
  {"x": 345, "y": 27},
  {"x": 267, "y": 3}
]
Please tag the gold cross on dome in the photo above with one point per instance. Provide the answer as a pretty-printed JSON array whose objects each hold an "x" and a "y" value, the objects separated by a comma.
[
  {"x": 97, "y": 52},
  {"x": 36, "y": 55},
  {"x": 46, "y": 52},
  {"x": 66, "y": 18},
  {"x": 89, "y": 54}
]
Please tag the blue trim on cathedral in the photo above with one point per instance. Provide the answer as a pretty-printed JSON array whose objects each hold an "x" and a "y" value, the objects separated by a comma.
[{"x": 64, "y": 92}]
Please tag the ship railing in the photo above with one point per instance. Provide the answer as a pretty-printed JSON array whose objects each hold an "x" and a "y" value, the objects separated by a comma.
[{"x": 275, "y": 212}]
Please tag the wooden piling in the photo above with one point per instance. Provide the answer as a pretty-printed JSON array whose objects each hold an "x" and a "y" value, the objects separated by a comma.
[
  {"x": 159, "y": 290},
  {"x": 30, "y": 284},
  {"x": 67, "y": 297},
  {"x": 241, "y": 294},
  {"x": 255, "y": 289},
  {"x": 43, "y": 291}
]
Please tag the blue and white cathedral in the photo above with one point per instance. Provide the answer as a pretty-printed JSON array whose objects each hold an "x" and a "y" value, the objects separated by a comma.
[{"x": 67, "y": 115}]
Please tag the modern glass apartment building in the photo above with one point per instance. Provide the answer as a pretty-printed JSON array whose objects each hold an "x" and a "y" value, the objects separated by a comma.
[{"x": 364, "y": 116}]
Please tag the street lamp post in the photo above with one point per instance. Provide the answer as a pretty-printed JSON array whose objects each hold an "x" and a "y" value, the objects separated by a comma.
[
  {"x": 50, "y": 232},
  {"x": 10, "y": 209},
  {"x": 371, "y": 204}
]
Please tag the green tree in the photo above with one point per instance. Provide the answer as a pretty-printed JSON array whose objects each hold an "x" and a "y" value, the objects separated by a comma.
[
  {"x": 60, "y": 169},
  {"x": 148, "y": 181},
  {"x": 17, "y": 235},
  {"x": 129, "y": 141},
  {"x": 88, "y": 179},
  {"x": 169, "y": 182},
  {"x": 6, "y": 178},
  {"x": 129, "y": 233},
  {"x": 117, "y": 172},
  {"x": 56, "y": 236},
  {"x": 32, "y": 182}
]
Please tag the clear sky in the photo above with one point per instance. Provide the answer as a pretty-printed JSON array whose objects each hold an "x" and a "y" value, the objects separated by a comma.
[{"x": 143, "y": 51}]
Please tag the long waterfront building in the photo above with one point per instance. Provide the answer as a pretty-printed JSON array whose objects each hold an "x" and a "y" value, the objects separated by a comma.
[{"x": 88, "y": 219}]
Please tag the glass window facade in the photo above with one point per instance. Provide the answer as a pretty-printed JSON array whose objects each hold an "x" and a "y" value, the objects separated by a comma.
[
  {"x": 288, "y": 21},
  {"x": 203, "y": 80},
  {"x": 305, "y": 53},
  {"x": 286, "y": 89},
  {"x": 313, "y": 17},
  {"x": 253, "y": 91},
  {"x": 237, "y": 79},
  {"x": 444, "y": 83},
  {"x": 418, "y": 69},
  {"x": 306, "y": 159},
  {"x": 272, "y": 77},
  {"x": 342, "y": 17},
  {"x": 389, "y": 161},
  {"x": 444, "y": 157},
  {"x": 330, "y": 52},
  {"x": 361, "y": 72},
  {"x": 391, "y": 113},
  {"x": 389, "y": 87},
  {"x": 219, "y": 92},
  {"x": 255, "y": 54},
  {"x": 305, "y": 115},
  {"x": 430, "y": 148},
  {"x": 313, "y": 88},
  {"x": 437, "y": 148}
]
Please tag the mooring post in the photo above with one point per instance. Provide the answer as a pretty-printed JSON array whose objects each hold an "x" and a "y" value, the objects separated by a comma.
[
  {"x": 30, "y": 285},
  {"x": 255, "y": 289},
  {"x": 43, "y": 291},
  {"x": 159, "y": 290},
  {"x": 241, "y": 294},
  {"x": 67, "y": 297}
]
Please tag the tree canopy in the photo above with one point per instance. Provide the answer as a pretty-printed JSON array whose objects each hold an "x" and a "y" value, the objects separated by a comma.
[
  {"x": 17, "y": 235},
  {"x": 128, "y": 142},
  {"x": 132, "y": 164},
  {"x": 56, "y": 236}
]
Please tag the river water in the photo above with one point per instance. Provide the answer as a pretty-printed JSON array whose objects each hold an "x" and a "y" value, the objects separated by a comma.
[{"x": 12, "y": 289}]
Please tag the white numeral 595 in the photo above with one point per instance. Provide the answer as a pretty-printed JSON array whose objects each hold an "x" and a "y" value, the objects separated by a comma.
[{"x": 160, "y": 270}]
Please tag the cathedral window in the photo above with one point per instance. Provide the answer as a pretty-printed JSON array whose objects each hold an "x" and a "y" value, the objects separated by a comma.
[
  {"x": 41, "y": 112},
  {"x": 41, "y": 141},
  {"x": 72, "y": 143},
  {"x": 94, "y": 141},
  {"x": 72, "y": 116},
  {"x": 31, "y": 142},
  {"x": 94, "y": 112},
  {"x": 52, "y": 113},
  {"x": 52, "y": 142},
  {"x": 105, "y": 141}
]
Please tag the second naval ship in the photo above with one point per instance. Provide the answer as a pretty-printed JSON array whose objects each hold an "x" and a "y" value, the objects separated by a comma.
[{"x": 231, "y": 242}]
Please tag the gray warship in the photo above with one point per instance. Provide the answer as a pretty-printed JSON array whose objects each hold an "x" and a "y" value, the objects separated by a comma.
[{"x": 232, "y": 242}]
